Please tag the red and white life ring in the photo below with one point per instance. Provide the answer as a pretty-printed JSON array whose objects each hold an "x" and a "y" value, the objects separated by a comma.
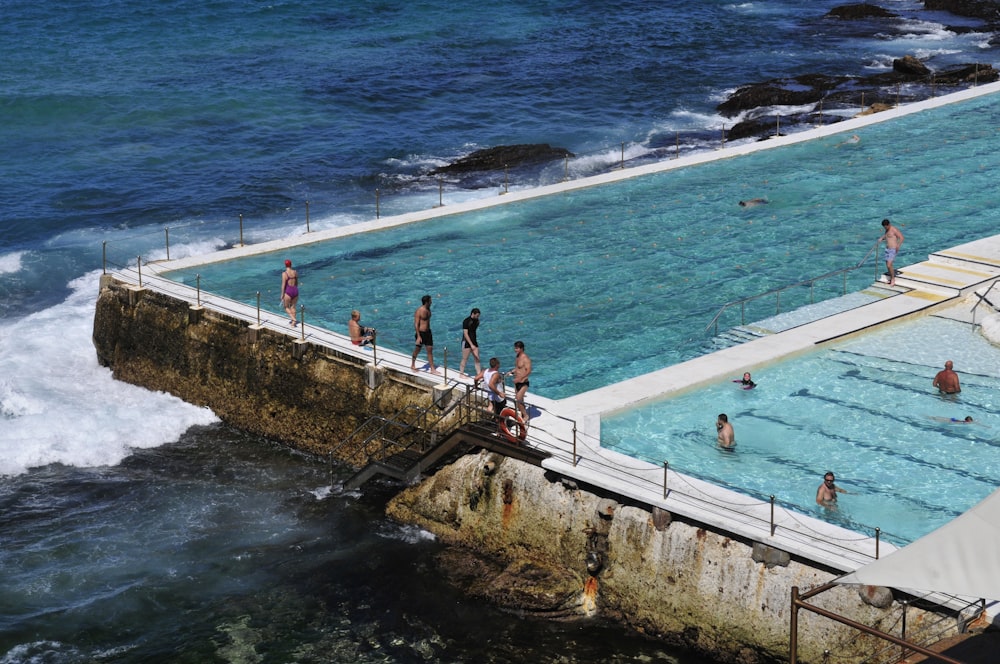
[{"x": 512, "y": 426}]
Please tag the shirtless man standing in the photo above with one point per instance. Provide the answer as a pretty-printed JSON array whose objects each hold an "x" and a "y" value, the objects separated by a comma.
[
  {"x": 946, "y": 380},
  {"x": 522, "y": 369},
  {"x": 826, "y": 494},
  {"x": 423, "y": 336},
  {"x": 893, "y": 241}
]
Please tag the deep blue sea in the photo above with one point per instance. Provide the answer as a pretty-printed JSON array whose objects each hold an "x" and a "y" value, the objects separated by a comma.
[{"x": 136, "y": 527}]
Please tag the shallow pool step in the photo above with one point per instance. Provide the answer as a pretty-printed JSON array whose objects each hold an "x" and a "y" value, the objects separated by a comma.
[{"x": 941, "y": 278}]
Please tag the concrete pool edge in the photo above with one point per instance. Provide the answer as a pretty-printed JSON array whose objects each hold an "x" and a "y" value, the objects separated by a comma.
[{"x": 618, "y": 175}]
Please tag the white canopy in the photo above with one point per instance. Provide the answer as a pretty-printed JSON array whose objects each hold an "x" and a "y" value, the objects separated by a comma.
[{"x": 961, "y": 557}]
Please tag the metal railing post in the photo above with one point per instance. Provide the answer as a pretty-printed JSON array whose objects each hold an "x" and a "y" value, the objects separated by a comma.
[
  {"x": 302, "y": 321},
  {"x": 666, "y": 466},
  {"x": 197, "y": 281},
  {"x": 138, "y": 265},
  {"x": 376, "y": 203},
  {"x": 258, "y": 308},
  {"x": 307, "y": 216},
  {"x": 166, "y": 232},
  {"x": 772, "y": 515},
  {"x": 623, "y": 155},
  {"x": 104, "y": 257},
  {"x": 878, "y": 532},
  {"x": 574, "y": 443},
  {"x": 506, "y": 182},
  {"x": 241, "y": 229}
]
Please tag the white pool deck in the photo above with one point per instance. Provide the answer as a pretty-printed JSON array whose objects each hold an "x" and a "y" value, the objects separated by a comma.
[{"x": 569, "y": 429}]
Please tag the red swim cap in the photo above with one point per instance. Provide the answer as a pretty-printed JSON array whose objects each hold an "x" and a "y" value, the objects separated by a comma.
[{"x": 288, "y": 263}]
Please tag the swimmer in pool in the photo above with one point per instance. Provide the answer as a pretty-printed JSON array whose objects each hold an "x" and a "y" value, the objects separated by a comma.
[
  {"x": 746, "y": 382},
  {"x": 753, "y": 202},
  {"x": 954, "y": 420},
  {"x": 853, "y": 140},
  {"x": 826, "y": 494}
]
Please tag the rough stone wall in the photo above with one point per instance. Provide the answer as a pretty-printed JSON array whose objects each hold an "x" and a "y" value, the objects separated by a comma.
[
  {"x": 309, "y": 398},
  {"x": 676, "y": 581}
]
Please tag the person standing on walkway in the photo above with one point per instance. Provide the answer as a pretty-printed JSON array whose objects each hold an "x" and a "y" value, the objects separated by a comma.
[
  {"x": 893, "y": 241},
  {"x": 290, "y": 291},
  {"x": 423, "y": 336},
  {"x": 470, "y": 346},
  {"x": 946, "y": 380},
  {"x": 522, "y": 369},
  {"x": 492, "y": 378}
]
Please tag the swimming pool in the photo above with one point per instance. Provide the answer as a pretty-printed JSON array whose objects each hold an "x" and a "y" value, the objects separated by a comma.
[
  {"x": 611, "y": 282},
  {"x": 863, "y": 408}
]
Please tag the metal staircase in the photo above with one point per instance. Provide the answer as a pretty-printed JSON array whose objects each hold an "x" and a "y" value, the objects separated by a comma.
[{"x": 415, "y": 440}]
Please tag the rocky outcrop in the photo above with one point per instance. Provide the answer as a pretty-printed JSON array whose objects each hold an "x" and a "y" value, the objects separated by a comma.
[
  {"x": 824, "y": 93},
  {"x": 987, "y": 10},
  {"x": 503, "y": 156},
  {"x": 529, "y": 541},
  {"x": 859, "y": 11}
]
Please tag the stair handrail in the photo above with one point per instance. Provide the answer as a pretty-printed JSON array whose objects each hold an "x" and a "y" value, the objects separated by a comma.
[
  {"x": 982, "y": 298},
  {"x": 420, "y": 420},
  {"x": 777, "y": 291}
]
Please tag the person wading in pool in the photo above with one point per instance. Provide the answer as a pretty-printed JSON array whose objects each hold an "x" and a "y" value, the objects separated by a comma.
[
  {"x": 826, "y": 494},
  {"x": 727, "y": 437},
  {"x": 893, "y": 241},
  {"x": 946, "y": 380}
]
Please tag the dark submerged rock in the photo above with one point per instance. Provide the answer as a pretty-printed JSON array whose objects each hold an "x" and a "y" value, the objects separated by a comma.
[
  {"x": 859, "y": 11},
  {"x": 501, "y": 156},
  {"x": 987, "y": 10}
]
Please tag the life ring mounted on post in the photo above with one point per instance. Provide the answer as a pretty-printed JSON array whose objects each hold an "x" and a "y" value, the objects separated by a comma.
[{"x": 512, "y": 425}]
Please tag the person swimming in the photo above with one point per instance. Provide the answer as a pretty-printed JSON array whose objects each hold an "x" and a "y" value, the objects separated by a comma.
[
  {"x": 746, "y": 381},
  {"x": 753, "y": 201},
  {"x": 954, "y": 420}
]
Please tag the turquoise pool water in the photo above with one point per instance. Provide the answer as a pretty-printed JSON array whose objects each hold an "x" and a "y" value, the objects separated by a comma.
[
  {"x": 864, "y": 409},
  {"x": 611, "y": 282}
]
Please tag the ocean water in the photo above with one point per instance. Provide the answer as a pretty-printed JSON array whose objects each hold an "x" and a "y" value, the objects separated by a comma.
[{"x": 137, "y": 527}]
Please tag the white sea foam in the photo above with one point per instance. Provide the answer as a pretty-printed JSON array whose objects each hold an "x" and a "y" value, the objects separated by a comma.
[
  {"x": 58, "y": 405},
  {"x": 11, "y": 262}
]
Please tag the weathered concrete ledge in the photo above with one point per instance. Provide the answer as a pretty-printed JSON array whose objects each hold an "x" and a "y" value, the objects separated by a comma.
[{"x": 304, "y": 395}]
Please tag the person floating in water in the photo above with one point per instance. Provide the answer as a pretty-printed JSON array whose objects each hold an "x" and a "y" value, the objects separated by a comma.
[
  {"x": 746, "y": 381},
  {"x": 853, "y": 140},
  {"x": 826, "y": 494},
  {"x": 753, "y": 202},
  {"x": 954, "y": 420},
  {"x": 727, "y": 437}
]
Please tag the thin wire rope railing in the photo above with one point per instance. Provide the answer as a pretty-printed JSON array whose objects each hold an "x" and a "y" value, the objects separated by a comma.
[{"x": 776, "y": 292}]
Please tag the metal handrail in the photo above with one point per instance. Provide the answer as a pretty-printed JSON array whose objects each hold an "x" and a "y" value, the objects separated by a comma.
[
  {"x": 777, "y": 291},
  {"x": 982, "y": 298}
]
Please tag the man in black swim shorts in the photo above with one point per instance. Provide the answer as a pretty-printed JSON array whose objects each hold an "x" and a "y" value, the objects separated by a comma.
[
  {"x": 522, "y": 369},
  {"x": 422, "y": 334}
]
